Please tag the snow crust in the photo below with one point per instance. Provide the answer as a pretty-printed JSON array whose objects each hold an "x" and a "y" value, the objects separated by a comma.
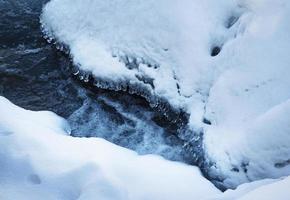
[
  {"x": 39, "y": 160},
  {"x": 163, "y": 49}
]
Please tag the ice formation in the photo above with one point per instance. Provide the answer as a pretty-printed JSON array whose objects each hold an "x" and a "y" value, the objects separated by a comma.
[
  {"x": 159, "y": 49},
  {"x": 223, "y": 62}
]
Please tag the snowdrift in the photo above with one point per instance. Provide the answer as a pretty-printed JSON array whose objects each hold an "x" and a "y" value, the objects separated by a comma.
[{"x": 39, "y": 160}]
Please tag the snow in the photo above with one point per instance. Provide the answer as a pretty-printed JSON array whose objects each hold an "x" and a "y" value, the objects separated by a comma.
[
  {"x": 243, "y": 189},
  {"x": 39, "y": 160},
  {"x": 162, "y": 41},
  {"x": 162, "y": 49},
  {"x": 268, "y": 189},
  {"x": 276, "y": 190},
  {"x": 249, "y": 103}
]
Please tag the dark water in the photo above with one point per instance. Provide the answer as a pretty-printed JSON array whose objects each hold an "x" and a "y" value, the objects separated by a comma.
[{"x": 34, "y": 75}]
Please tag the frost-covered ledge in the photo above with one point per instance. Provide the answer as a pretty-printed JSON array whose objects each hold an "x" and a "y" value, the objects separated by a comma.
[
  {"x": 224, "y": 63},
  {"x": 156, "y": 49}
]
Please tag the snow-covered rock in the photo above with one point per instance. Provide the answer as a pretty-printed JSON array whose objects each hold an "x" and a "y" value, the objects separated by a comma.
[
  {"x": 39, "y": 160},
  {"x": 223, "y": 62},
  {"x": 159, "y": 49}
]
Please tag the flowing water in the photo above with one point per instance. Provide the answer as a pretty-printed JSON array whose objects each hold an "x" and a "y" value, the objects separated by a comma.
[{"x": 35, "y": 76}]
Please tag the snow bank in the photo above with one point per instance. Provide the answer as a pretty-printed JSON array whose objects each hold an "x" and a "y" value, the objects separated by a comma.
[
  {"x": 224, "y": 62},
  {"x": 259, "y": 150},
  {"x": 38, "y": 160},
  {"x": 273, "y": 191},
  {"x": 249, "y": 104},
  {"x": 269, "y": 189}
]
